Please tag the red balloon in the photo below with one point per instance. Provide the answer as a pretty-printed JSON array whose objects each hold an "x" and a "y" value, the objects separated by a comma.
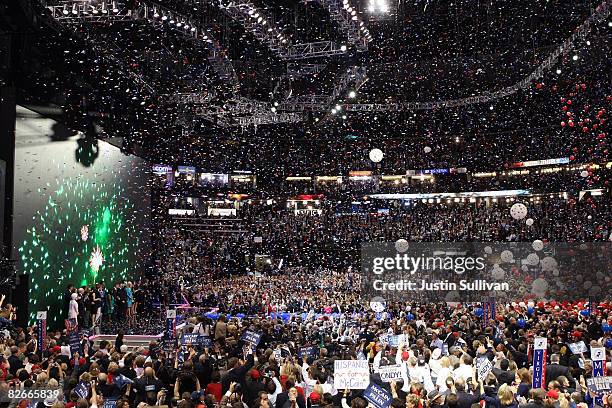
[
  {"x": 570, "y": 123},
  {"x": 572, "y": 157},
  {"x": 569, "y": 101},
  {"x": 564, "y": 108},
  {"x": 562, "y": 125},
  {"x": 538, "y": 86}
]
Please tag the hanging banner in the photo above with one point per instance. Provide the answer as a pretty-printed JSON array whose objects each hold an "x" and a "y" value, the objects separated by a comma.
[
  {"x": 539, "y": 362},
  {"x": 41, "y": 325},
  {"x": 598, "y": 357}
]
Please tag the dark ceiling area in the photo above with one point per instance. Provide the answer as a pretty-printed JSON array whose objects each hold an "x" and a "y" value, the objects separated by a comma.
[{"x": 214, "y": 82}]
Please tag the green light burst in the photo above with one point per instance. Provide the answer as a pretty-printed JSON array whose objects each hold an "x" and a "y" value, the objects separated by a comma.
[{"x": 54, "y": 254}]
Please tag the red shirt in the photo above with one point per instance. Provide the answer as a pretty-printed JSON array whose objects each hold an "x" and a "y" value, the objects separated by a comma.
[{"x": 215, "y": 390}]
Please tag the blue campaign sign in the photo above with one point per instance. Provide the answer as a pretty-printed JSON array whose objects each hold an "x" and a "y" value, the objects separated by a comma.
[
  {"x": 82, "y": 389},
  {"x": 251, "y": 337},
  {"x": 308, "y": 351},
  {"x": 109, "y": 403},
  {"x": 378, "y": 396},
  {"x": 196, "y": 340}
]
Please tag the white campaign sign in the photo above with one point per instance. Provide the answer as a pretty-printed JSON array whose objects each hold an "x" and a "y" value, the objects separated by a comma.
[
  {"x": 484, "y": 369},
  {"x": 351, "y": 374},
  {"x": 171, "y": 314},
  {"x": 598, "y": 353},
  {"x": 390, "y": 373},
  {"x": 41, "y": 315}
]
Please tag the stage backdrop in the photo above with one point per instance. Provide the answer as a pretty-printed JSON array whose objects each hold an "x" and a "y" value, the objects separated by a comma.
[{"x": 81, "y": 212}]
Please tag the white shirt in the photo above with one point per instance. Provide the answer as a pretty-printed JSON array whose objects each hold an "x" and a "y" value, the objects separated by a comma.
[{"x": 73, "y": 309}]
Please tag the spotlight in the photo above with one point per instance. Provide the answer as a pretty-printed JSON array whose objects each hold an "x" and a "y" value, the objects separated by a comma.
[
  {"x": 353, "y": 12},
  {"x": 333, "y": 111},
  {"x": 558, "y": 71},
  {"x": 94, "y": 10},
  {"x": 115, "y": 8},
  {"x": 264, "y": 22},
  {"x": 273, "y": 109},
  {"x": 260, "y": 19},
  {"x": 172, "y": 21},
  {"x": 343, "y": 48},
  {"x": 575, "y": 57},
  {"x": 104, "y": 9},
  {"x": 354, "y": 18},
  {"x": 343, "y": 116},
  {"x": 609, "y": 23},
  {"x": 205, "y": 37},
  {"x": 65, "y": 10},
  {"x": 352, "y": 94},
  {"x": 255, "y": 15},
  {"x": 186, "y": 26},
  {"x": 275, "y": 103},
  {"x": 193, "y": 29},
  {"x": 338, "y": 108},
  {"x": 251, "y": 12},
  {"x": 588, "y": 42},
  {"x": 164, "y": 18},
  {"x": 179, "y": 24},
  {"x": 74, "y": 9}
]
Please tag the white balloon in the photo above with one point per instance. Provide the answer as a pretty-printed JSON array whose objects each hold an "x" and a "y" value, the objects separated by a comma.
[
  {"x": 497, "y": 272},
  {"x": 529, "y": 222},
  {"x": 376, "y": 155},
  {"x": 507, "y": 256},
  {"x": 488, "y": 250},
  {"x": 427, "y": 149},
  {"x": 548, "y": 264},
  {"x": 518, "y": 211},
  {"x": 401, "y": 245},
  {"x": 533, "y": 259},
  {"x": 539, "y": 287},
  {"x": 584, "y": 173},
  {"x": 537, "y": 245}
]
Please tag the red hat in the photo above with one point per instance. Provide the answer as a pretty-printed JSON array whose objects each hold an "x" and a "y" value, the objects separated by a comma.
[
  {"x": 314, "y": 397},
  {"x": 553, "y": 394},
  {"x": 405, "y": 355},
  {"x": 254, "y": 374},
  {"x": 56, "y": 349},
  {"x": 576, "y": 333}
]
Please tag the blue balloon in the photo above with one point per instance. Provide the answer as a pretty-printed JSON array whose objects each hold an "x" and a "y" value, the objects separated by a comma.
[
  {"x": 609, "y": 343},
  {"x": 240, "y": 315},
  {"x": 410, "y": 317},
  {"x": 304, "y": 316},
  {"x": 530, "y": 310},
  {"x": 478, "y": 312},
  {"x": 585, "y": 312},
  {"x": 285, "y": 316},
  {"x": 606, "y": 328},
  {"x": 521, "y": 323}
]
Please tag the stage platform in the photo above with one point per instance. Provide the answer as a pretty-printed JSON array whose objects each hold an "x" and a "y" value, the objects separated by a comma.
[{"x": 132, "y": 341}]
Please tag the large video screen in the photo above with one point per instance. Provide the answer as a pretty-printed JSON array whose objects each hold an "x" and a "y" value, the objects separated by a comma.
[{"x": 81, "y": 212}]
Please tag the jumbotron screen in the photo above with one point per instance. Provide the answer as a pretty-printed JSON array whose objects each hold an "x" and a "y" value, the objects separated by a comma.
[{"x": 81, "y": 212}]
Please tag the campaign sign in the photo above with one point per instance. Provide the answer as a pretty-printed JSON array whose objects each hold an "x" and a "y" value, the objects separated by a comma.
[
  {"x": 41, "y": 319},
  {"x": 351, "y": 374},
  {"x": 390, "y": 373},
  {"x": 190, "y": 338},
  {"x": 109, "y": 403},
  {"x": 484, "y": 369},
  {"x": 598, "y": 356},
  {"x": 75, "y": 342},
  {"x": 599, "y": 385},
  {"x": 539, "y": 362},
  {"x": 309, "y": 351},
  {"x": 82, "y": 389},
  {"x": 251, "y": 337},
  {"x": 377, "y": 396},
  {"x": 578, "y": 347},
  {"x": 170, "y": 324}
]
